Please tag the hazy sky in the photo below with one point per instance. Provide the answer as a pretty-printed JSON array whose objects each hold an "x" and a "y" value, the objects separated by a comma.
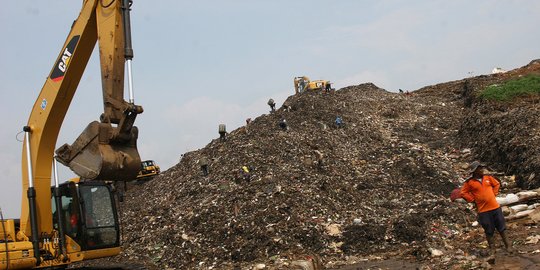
[{"x": 201, "y": 63}]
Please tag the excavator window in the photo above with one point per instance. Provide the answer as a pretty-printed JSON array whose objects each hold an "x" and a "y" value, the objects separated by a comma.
[
  {"x": 70, "y": 211},
  {"x": 101, "y": 225},
  {"x": 147, "y": 163}
]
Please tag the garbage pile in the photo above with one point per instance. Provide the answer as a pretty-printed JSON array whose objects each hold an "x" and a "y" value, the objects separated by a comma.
[
  {"x": 517, "y": 205},
  {"x": 376, "y": 182},
  {"x": 510, "y": 130}
]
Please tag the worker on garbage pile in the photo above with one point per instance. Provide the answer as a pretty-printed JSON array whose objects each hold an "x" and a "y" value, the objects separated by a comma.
[
  {"x": 302, "y": 86},
  {"x": 287, "y": 106},
  {"x": 481, "y": 189},
  {"x": 283, "y": 124},
  {"x": 339, "y": 122},
  {"x": 328, "y": 87},
  {"x": 222, "y": 132},
  {"x": 203, "y": 162},
  {"x": 272, "y": 105},
  {"x": 246, "y": 173},
  {"x": 246, "y": 128},
  {"x": 320, "y": 158}
]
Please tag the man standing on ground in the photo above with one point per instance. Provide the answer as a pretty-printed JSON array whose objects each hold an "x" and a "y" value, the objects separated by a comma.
[{"x": 482, "y": 189}]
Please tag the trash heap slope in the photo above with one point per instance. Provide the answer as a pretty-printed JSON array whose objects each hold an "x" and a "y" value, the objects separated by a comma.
[
  {"x": 382, "y": 187},
  {"x": 384, "y": 179},
  {"x": 510, "y": 130}
]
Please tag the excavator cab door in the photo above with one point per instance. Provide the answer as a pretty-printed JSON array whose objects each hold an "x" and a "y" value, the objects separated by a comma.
[{"x": 89, "y": 213}]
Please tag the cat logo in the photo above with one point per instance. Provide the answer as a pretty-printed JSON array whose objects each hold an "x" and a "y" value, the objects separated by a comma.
[
  {"x": 62, "y": 64},
  {"x": 65, "y": 60}
]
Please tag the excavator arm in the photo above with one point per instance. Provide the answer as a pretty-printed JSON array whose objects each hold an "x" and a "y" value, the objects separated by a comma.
[{"x": 107, "y": 149}]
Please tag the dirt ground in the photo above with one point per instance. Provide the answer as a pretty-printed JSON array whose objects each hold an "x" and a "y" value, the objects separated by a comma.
[{"x": 527, "y": 256}]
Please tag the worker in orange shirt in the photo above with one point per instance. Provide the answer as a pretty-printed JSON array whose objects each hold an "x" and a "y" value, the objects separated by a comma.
[{"x": 482, "y": 189}]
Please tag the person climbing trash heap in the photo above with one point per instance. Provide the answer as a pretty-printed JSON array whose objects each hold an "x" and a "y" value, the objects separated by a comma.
[
  {"x": 272, "y": 105},
  {"x": 283, "y": 124},
  {"x": 287, "y": 106},
  {"x": 203, "y": 162},
  {"x": 222, "y": 132},
  {"x": 339, "y": 122},
  {"x": 246, "y": 174}
]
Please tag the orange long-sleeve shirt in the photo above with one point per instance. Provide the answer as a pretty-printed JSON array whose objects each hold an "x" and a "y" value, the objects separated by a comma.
[{"x": 482, "y": 193}]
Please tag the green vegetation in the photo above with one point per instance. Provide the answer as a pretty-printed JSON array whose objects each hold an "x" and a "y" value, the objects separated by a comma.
[{"x": 528, "y": 85}]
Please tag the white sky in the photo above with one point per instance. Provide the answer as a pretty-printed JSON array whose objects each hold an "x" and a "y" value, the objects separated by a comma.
[{"x": 201, "y": 63}]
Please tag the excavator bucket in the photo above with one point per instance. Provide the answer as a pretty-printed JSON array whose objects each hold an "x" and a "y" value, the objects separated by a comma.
[{"x": 99, "y": 153}]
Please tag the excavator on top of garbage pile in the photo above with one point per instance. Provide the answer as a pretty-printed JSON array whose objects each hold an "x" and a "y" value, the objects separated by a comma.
[
  {"x": 303, "y": 83},
  {"x": 77, "y": 220}
]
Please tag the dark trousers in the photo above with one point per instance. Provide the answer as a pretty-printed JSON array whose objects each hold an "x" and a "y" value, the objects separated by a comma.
[
  {"x": 491, "y": 220},
  {"x": 204, "y": 169}
]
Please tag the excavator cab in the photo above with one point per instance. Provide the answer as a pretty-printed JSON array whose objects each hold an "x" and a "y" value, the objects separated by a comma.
[{"x": 88, "y": 214}]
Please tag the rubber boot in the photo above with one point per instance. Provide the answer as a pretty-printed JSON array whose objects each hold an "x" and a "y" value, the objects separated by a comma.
[
  {"x": 492, "y": 249},
  {"x": 507, "y": 243}
]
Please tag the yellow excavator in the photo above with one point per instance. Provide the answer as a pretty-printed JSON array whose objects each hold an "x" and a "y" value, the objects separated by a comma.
[
  {"x": 303, "y": 83},
  {"x": 77, "y": 220}
]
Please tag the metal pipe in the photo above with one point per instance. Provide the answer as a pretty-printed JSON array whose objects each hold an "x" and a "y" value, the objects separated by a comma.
[
  {"x": 58, "y": 200},
  {"x": 130, "y": 82},
  {"x": 55, "y": 172},
  {"x": 27, "y": 131},
  {"x": 31, "y": 194}
]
